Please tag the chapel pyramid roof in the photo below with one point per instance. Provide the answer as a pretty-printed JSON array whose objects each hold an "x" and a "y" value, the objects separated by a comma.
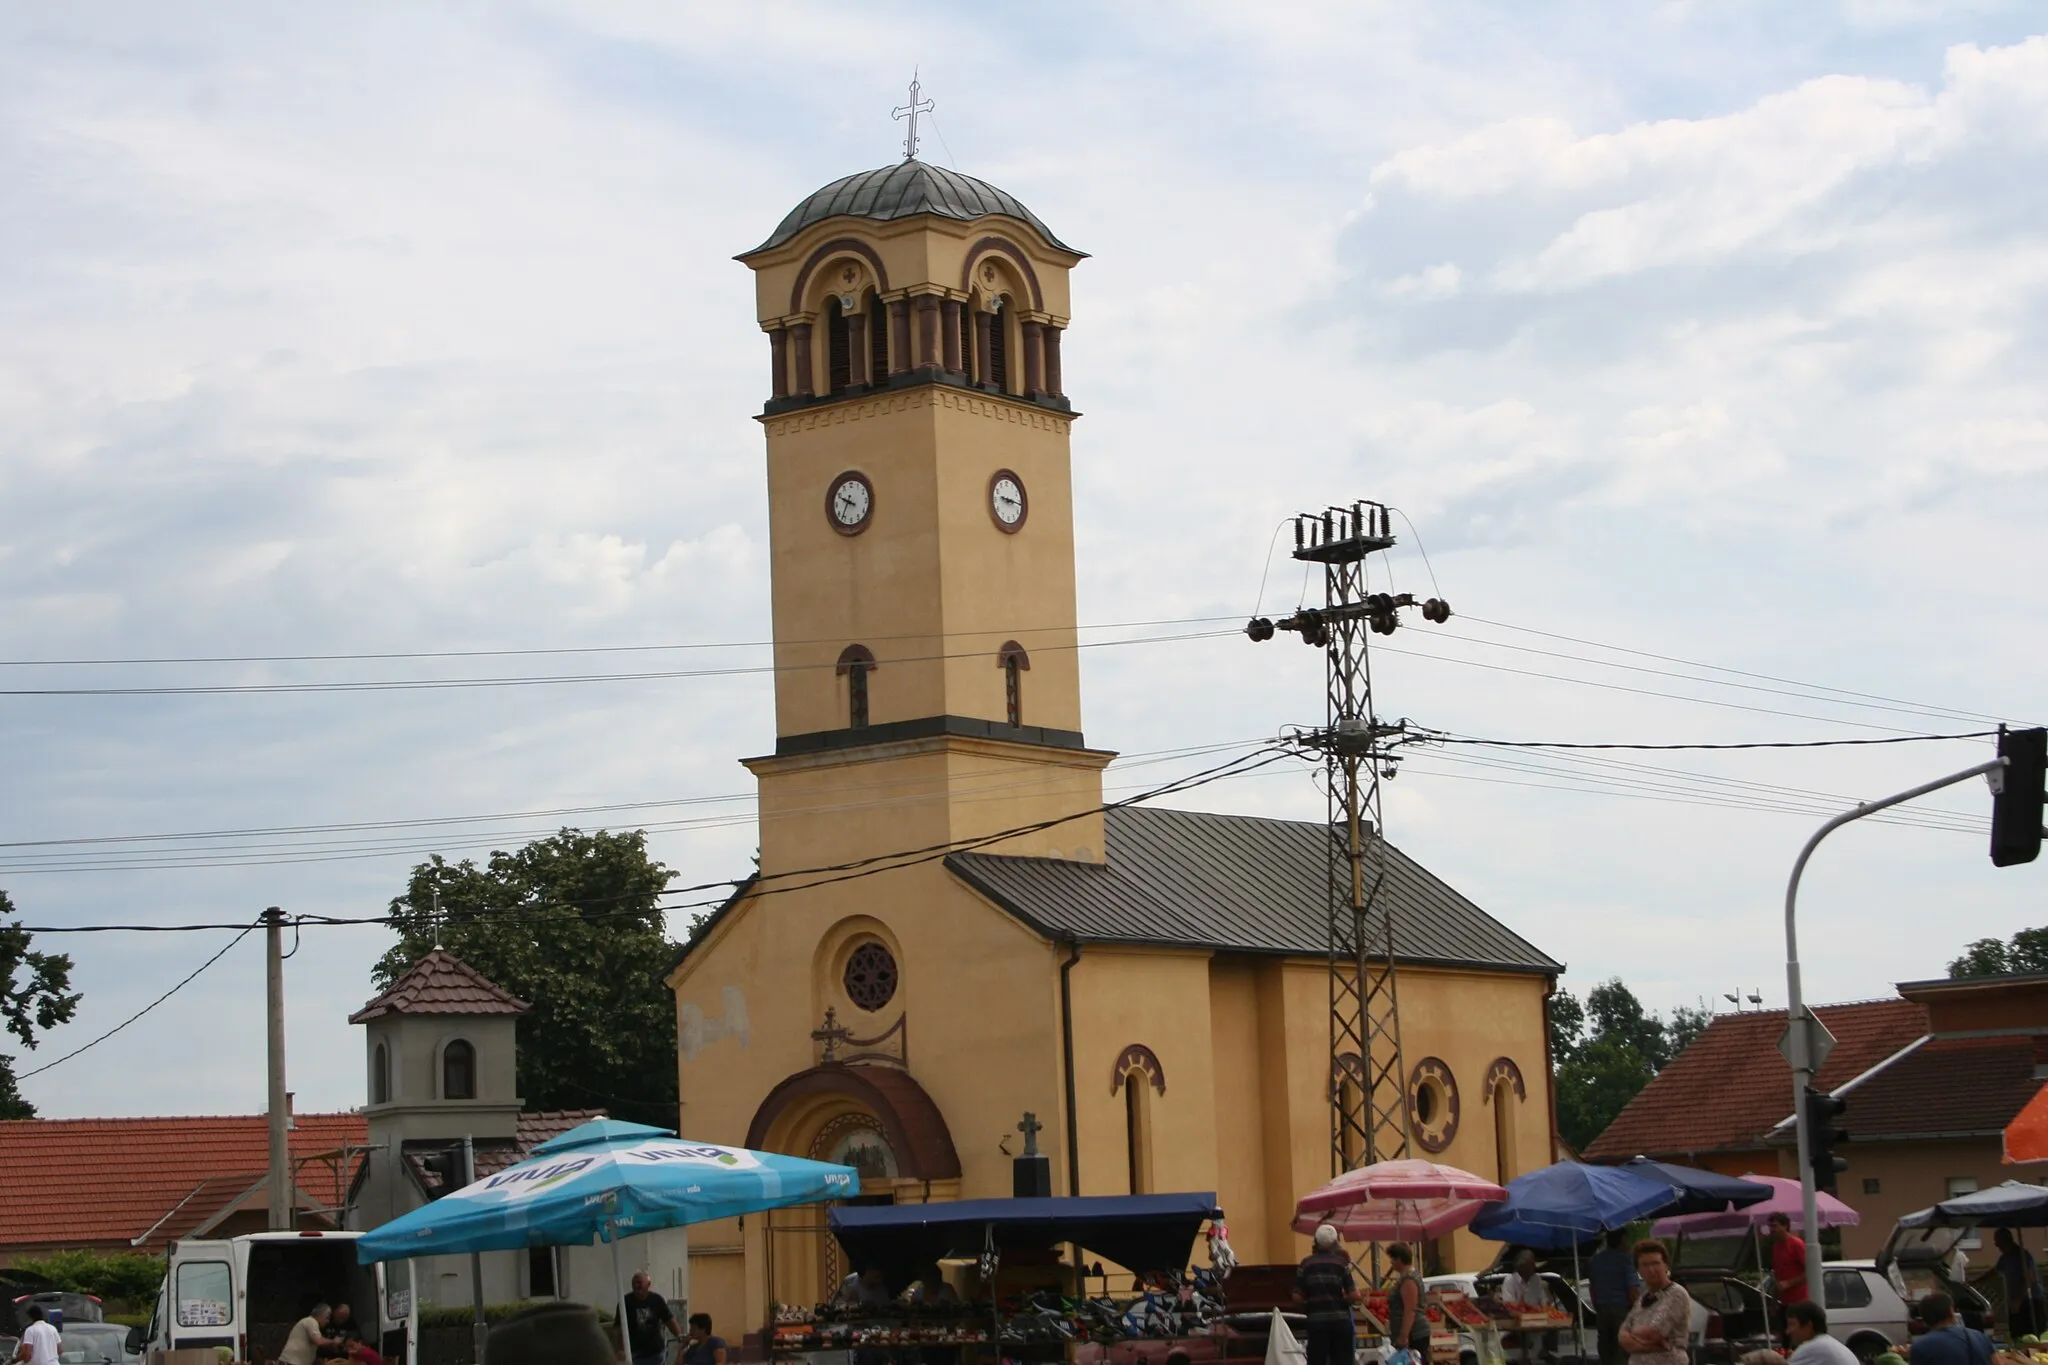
[{"x": 441, "y": 983}]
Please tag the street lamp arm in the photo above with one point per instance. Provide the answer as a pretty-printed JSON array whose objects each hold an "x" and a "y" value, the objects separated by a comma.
[{"x": 1795, "y": 1003}]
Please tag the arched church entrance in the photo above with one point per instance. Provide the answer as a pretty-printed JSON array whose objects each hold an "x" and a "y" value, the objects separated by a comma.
[{"x": 876, "y": 1119}]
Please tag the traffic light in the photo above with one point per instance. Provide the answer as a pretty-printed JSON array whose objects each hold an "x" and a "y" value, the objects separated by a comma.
[
  {"x": 447, "y": 1163},
  {"x": 2016, "y": 804},
  {"x": 1822, "y": 1109}
]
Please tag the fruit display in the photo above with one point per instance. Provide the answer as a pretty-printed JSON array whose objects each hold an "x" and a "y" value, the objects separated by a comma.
[{"x": 1460, "y": 1310}]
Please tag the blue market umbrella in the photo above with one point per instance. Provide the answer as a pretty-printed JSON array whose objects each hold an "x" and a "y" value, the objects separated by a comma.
[
  {"x": 1700, "y": 1191},
  {"x": 605, "y": 1180},
  {"x": 1563, "y": 1205}
]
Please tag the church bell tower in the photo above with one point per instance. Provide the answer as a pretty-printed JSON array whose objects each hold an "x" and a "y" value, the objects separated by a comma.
[{"x": 927, "y": 685}]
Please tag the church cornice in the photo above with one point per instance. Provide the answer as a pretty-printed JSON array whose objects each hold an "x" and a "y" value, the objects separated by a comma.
[
  {"x": 926, "y": 734},
  {"x": 914, "y": 392}
]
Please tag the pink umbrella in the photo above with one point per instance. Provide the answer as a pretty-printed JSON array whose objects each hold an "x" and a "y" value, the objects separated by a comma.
[
  {"x": 1395, "y": 1201},
  {"x": 1833, "y": 1213}
]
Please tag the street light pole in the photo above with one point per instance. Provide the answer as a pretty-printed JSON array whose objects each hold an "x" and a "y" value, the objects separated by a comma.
[
  {"x": 1797, "y": 1019},
  {"x": 280, "y": 1183}
]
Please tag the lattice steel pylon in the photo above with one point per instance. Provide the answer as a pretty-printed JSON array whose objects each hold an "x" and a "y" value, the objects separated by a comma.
[{"x": 1367, "y": 1078}]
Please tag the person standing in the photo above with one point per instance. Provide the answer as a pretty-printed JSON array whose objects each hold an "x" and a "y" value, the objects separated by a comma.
[
  {"x": 1788, "y": 1261},
  {"x": 40, "y": 1342},
  {"x": 1325, "y": 1288},
  {"x": 1410, "y": 1325},
  {"x": 1806, "y": 1332},
  {"x": 1658, "y": 1330},
  {"x": 647, "y": 1313},
  {"x": 2022, "y": 1280},
  {"x": 1525, "y": 1285},
  {"x": 1615, "y": 1285},
  {"x": 1946, "y": 1341}
]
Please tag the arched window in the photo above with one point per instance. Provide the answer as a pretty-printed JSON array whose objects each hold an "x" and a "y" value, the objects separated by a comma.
[
  {"x": 458, "y": 1071},
  {"x": 380, "y": 1076},
  {"x": 1138, "y": 1134},
  {"x": 967, "y": 341},
  {"x": 999, "y": 347},
  {"x": 838, "y": 348},
  {"x": 855, "y": 663},
  {"x": 1014, "y": 662},
  {"x": 1503, "y": 1132},
  {"x": 878, "y": 340}
]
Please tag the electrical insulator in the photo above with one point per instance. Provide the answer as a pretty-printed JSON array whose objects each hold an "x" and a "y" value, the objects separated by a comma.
[
  {"x": 1437, "y": 610},
  {"x": 1259, "y": 628}
]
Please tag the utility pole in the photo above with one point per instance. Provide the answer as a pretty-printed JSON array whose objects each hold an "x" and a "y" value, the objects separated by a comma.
[
  {"x": 2016, "y": 777},
  {"x": 280, "y": 1131},
  {"x": 478, "y": 1328},
  {"x": 1367, "y": 1080}
]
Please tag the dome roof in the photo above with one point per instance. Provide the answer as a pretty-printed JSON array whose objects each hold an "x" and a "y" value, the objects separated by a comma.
[{"x": 901, "y": 191}]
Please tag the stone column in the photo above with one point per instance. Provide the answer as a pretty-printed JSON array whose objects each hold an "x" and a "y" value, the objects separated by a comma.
[
  {"x": 927, "y": 332},
  {"x": 800, "y": 334},
  {"x": 899, "y": 335},
  {"x": 778, "y": 361},
  {"x": 949, "y": 322},
  {"x": 984, "y": 362},
  {"x": 1052, "y": 360},
  {"x": 856, "y": 350},
  {"x": 1034, "y": 359}
]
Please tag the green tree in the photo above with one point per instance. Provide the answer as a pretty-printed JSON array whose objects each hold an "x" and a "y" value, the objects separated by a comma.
[
  {"x": 1985, "y": 957},
  {"x": 570, "y": 923},
  {"x": 1596, "y": 1085},
  {"x": 128, "y": 1276},
  {"x": 1687, "y": 1023},
  {"x": 1567, "y": 1026},
  {"x": 35, "y": 996},
  {"x": 1616, "y": 1016}
]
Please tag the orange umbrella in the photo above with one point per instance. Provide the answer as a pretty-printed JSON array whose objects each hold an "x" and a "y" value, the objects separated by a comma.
[{"x": 2026, "y": 1137}]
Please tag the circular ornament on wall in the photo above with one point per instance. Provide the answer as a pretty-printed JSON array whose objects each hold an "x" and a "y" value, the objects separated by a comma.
[
  {"x": 1432, "y": 1104},
  {"x": 870, "y": 976}
]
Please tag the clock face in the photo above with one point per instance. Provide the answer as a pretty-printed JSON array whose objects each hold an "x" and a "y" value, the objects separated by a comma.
[
  {"x": 1006, "y": 500},
  {"x": 849, "y": 503}
]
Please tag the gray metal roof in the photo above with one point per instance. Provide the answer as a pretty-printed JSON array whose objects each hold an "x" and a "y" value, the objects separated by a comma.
[
  {"x": 899, "y": 191},
  {"x": 1238, "y": 883}
]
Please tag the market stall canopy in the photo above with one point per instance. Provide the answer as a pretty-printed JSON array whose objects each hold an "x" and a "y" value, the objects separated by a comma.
[
  {"x": 1141, "y": 1232},
  {"x": 605, "y": 1179},
  {"x": 1833, "y": 1213},
  {"x": 1565, "y": 1204},
  {"x": 2010, "y": 1205},
  {"x": 1396, "y": 1201},
  {"x": 2026, "y": 1137},
  {"x": 1700, "y": 1191}
]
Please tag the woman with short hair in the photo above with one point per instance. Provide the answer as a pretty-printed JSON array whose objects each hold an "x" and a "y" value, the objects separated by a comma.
[{"x": 1657, "y": 1328}]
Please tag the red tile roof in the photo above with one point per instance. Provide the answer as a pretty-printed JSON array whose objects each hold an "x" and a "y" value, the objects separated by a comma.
[
  {"x": 1730, "y": 1088},
  {"x": 495, "y": 1154},
  {"x": 441, "y": 983},
  {"x": 104, "y": 1182},
  {"x": 1947, "y": 1087}
]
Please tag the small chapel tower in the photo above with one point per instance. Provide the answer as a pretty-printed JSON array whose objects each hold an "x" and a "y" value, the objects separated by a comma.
[{"x": 920, "y": 523}]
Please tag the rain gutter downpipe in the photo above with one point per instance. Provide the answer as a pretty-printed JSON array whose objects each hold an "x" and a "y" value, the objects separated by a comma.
[{"x": 1067, "y": 1052}]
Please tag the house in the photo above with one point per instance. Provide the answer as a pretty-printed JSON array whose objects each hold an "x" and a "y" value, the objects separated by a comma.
[
  {"x": 138, "y": 1184},
  {"x": 1931, "y": 1078}
]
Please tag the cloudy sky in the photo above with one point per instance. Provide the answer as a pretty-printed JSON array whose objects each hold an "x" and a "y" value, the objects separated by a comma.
[{"x": 1713, "y": 332}]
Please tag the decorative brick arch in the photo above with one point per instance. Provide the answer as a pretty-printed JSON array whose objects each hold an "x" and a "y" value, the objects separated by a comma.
[
  {"x": 1015, "y": 255},
  {"x": 831, "y": 248},
  {"x": 1139, "y": 1058},
  {"x": 1502, "y": 1070},
  {"x": 903, "y": 1110}
]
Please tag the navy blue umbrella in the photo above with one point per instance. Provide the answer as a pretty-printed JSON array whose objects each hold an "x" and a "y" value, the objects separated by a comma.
[
  {"x": 1698, "y": 1191},
  {"x": 1564, "y": 1205}
]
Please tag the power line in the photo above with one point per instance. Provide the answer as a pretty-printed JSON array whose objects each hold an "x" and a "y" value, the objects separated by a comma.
[
  {"x": 1430, "y": 737},
  {"x": 246, "y": 931},
  {"x": 850, "y": 870},
  {"x": 395, "y": 655}
]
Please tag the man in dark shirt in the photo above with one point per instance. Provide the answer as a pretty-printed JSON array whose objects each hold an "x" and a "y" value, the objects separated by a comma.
[
  {"x": 701, "y": 1348},
  {"x": 1615, "y": 1285},
  {"x": 646, "y": 1314},
  {"x": 1325, "y": 1288},
  {"x": 1946, "y": 1341},
  {"x": 2022, "y": 1281}
]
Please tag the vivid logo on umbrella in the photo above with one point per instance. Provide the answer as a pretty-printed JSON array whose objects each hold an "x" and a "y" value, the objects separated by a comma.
[
  {"x": 534, "y": 1179},
  {"x": 730, "y": 1157}
]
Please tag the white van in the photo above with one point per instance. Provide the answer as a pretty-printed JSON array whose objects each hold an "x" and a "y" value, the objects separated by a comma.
[{"x": 245, "y": 1293}]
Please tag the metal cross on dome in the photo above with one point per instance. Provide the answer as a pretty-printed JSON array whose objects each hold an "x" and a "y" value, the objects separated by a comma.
[{"x": 911, "y": 111}]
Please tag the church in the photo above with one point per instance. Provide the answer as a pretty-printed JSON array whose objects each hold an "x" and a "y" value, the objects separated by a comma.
[{"x": 947, "y": 930}]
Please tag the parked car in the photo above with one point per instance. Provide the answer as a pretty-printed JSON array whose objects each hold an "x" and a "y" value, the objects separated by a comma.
[
  {"x": 58, "y": 1305},
  {"x": 98, "y": 1343},
  {"x": 1864, "y": 1312}
]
